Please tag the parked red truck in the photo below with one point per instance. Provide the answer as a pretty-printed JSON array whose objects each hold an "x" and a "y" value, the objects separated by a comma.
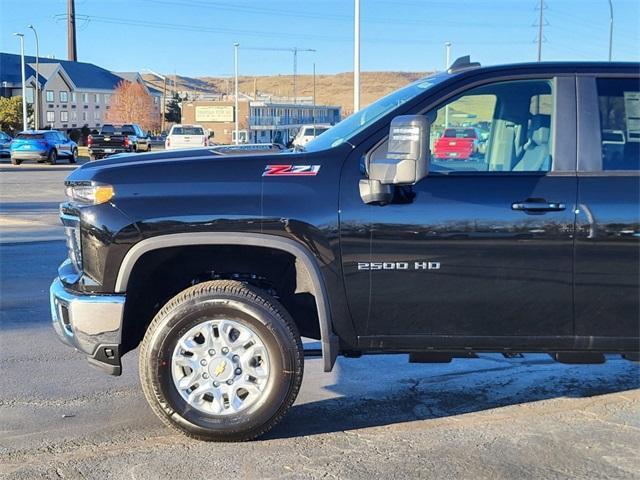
[{"x": 457, "y": 144}]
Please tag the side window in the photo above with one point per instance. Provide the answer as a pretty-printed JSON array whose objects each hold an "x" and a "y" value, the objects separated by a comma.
[
  {"x": 619, "y": 105},
  {"x": 501, "y": 127}
]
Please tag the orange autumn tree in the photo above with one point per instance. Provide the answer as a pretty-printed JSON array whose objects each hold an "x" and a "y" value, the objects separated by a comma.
[{"x": 131, "y": 103}]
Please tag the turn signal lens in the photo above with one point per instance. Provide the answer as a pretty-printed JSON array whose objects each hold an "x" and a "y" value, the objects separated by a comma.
[{"x": 91, "y": 194}]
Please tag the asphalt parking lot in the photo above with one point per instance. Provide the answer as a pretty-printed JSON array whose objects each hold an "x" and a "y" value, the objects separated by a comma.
[{"x": 374, "y": 417}]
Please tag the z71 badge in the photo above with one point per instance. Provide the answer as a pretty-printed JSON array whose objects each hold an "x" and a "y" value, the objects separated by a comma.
[
  {"x": 291, "y": 170},
  {"x": 398, "y": 265}
]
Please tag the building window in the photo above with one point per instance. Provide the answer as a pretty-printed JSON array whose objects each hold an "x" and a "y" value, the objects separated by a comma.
[
  {"x": 97, "y": 95},
  {"x": 64, "y": 116},
  {"x": 155, "y": 100},
  {"x": 85, "y": 97},
  {"x": 29, "y": 95},
  {"x": 64, "y": 96},
  {"x": 74, "y": 115},
  {"x": 107, "y": 98},
  {"x": 50, "y": 96},
  {"x": 84, "y": 116},
  {"x": 96, "y": 115},
  {"x": 51, "y": 116}
]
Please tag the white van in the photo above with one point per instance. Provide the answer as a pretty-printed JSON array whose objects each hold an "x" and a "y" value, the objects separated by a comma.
[
  {"x": 308, "y": 133},
  {"x": 187, "y": 136}
]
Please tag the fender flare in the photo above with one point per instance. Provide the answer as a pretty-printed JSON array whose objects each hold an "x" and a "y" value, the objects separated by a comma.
[{"x": 329, "y": 341}]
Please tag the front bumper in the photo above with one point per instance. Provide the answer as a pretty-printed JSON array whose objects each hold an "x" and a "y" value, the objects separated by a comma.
[{"x": 89, "y": 323}]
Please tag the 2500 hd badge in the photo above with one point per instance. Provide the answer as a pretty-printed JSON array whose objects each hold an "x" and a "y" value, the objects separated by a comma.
[{"x": 398, "y": 265}]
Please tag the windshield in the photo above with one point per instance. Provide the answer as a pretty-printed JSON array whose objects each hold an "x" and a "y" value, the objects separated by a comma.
[{"x": 360, "y": 120}]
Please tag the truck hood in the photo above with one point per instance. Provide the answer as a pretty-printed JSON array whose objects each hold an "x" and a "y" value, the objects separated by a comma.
[{"x": 170, "y": 159}]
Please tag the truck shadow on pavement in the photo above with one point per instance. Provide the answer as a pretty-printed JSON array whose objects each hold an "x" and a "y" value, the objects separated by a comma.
[{"x": 368, "y": 398}]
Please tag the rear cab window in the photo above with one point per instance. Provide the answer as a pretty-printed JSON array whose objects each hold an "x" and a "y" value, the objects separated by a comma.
[{"x": 187, "y": 131}]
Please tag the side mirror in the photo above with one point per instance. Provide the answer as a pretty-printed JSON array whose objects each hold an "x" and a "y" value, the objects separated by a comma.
[
  {"x": 406, "y": 161},
  {"x": 211, "y": 134}
]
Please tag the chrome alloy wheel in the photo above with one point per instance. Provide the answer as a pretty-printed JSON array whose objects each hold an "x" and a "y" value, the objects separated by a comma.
[{"x": 220, "y": 367}]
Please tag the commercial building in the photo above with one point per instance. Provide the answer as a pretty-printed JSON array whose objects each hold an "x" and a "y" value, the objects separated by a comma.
[
  {"x": 72, "y": 94},
  {"x": 260, "y": 121}
]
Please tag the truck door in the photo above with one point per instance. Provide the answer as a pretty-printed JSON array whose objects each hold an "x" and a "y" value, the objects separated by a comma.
[
  {"x": 482, "y": 247},
  {"x": 607, "y": 264}
]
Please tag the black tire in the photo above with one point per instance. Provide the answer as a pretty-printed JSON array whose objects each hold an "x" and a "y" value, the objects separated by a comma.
[
  {"x": 53, "y": 157},
  {"x": 74, "y": 156},
  {"x": 15, "y": 161},
  {"x": 242, "y": 303}
]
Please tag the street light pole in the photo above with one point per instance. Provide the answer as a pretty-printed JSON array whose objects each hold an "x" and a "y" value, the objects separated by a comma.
[
  {"x": 447, "y": 46},
  {"x": 163, "y": 106},
  {"x": 313, "y": 115},
  {"x": 235, "y": 67},
  {"x": 24, "y": 86},
  {"x": 37, "y": 104},
  {"x": 356, "y": 57},
  {"x": 610, "y": 30}
]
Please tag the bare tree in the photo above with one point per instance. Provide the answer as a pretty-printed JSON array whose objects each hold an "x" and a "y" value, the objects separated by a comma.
[{"x": 131, "y": 103}]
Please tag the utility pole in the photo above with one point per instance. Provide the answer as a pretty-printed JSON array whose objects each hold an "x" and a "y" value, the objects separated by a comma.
[
  {"x": 540, "y": 26},
  {"x": 237, "y": 116},
  {"x": 610, "y": 30},
  {"x": 24, "y": 86},
  {"x": 356, "y": 56},
  {"x": 37, "y": 102},
  {"x": 72, "y": 52},
  {"x": 447, "y": 61}
]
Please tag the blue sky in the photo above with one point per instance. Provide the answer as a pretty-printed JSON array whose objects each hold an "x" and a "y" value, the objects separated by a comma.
[{"x": 195, "y": 37}]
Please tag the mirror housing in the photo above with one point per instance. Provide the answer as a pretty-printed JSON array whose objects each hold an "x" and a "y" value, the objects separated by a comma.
[{"x": 407, "y": 159}]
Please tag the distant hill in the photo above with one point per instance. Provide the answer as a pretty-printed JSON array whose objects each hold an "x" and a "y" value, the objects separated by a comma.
[{"x": 334, "y": 89}]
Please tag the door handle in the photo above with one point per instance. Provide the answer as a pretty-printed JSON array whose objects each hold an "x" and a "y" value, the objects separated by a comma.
[{"x": 538, "y": 206}]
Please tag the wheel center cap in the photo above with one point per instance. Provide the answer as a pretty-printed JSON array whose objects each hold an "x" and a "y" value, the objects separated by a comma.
[{"x": 220, "y": 369}]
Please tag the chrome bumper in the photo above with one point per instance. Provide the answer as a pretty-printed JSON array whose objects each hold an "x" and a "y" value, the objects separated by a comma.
[{"x": 89, "y": 323}]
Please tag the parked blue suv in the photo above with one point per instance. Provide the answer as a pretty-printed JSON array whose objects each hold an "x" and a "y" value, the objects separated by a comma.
[
  {"x": 5, "y": 142},
  {"x": 43, "y": 146}
]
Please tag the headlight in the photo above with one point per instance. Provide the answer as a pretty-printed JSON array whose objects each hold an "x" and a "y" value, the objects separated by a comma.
[{"x": 91, "y": 194}]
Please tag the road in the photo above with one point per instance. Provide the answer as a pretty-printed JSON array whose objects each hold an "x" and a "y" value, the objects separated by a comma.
[{"x": 374, "y": 417}]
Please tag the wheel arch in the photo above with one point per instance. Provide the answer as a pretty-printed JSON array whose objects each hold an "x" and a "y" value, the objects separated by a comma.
[{"x": 304, "y": 261}]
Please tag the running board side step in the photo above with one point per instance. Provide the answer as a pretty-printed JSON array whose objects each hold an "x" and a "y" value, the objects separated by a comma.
[{"x": 578, "y": 358}]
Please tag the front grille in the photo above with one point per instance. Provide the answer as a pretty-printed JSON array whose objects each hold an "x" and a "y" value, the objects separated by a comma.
[{"x": 74, "y": 246}]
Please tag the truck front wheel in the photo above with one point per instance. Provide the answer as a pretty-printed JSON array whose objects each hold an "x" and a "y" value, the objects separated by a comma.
[{"x": 221, "y": 361}]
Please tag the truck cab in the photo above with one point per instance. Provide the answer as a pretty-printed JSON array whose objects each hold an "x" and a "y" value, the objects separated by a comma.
[{"x": 217, "y": 265}]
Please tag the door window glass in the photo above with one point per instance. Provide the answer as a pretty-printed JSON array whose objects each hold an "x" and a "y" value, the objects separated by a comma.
[
  {"x": 502, "y": 127},
  {"x": 619, "y": 105}
]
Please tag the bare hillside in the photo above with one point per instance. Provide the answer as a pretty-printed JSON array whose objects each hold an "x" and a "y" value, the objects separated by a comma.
[{"x": 334, "y": 89}]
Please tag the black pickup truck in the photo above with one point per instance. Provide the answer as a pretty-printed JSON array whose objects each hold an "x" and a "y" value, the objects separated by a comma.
[
  {"x": 114, "y": 139},
  {"x": 216, "y": 266}
]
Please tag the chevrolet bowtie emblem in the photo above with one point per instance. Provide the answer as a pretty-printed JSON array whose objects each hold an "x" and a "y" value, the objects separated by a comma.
[{"x": 219, "y": 369}]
